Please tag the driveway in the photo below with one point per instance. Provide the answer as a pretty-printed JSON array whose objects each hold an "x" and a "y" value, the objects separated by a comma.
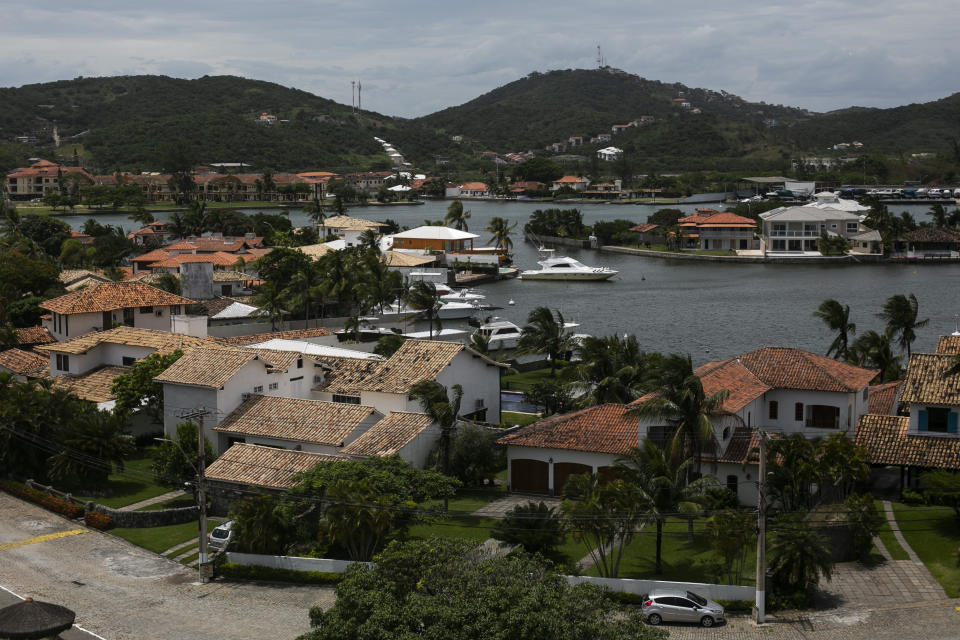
[{"x": 119, "y": 590}]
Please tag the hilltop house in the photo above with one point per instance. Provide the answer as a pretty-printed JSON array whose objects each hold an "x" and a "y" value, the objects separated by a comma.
[{"x": 132, "y": 304}]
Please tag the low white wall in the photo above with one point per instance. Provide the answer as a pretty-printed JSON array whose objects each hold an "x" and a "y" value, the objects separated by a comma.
[
  {"x": 643, "y": 587},
  {"x": 292, "y": 562}
]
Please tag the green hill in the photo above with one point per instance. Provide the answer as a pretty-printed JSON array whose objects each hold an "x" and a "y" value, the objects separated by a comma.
[{"x": 123, "y": 122}]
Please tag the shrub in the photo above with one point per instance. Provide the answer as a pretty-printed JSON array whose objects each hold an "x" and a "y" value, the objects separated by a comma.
[
  {"x": 43, "y": 499},
  {"x": 736, "y": 605},
  {"x": 98, "y": 520},
  {"x": 911, "y": 497},
  {"x": 236, "y": 571}
]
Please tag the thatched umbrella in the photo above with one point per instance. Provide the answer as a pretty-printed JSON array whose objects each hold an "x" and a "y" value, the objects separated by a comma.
[{"x": 30, "y": 619}]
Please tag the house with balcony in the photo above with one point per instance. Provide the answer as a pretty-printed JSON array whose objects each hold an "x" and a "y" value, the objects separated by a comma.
[
  {"x": 797, "y": 230},
  {"x": 711, "y": 230},
  {"x": 924, "y": 435},
  {"x": 40, "y": 178},
  {"x": 109, "y": 304},
  {"x": 577, "y": 183}
]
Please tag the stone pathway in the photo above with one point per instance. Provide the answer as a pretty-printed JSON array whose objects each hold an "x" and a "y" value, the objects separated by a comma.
[
  {"x": 892, "y": 519},
  {"x": 151, "y": 501},
  {"x": 500, "y": 507},
  {"x": 882, "y": 548}
]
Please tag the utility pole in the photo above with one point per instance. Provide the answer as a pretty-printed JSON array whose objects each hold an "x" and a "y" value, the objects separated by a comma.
[
  {"x": 759, "y": 608},
  {"x": 201, "y": 492}
]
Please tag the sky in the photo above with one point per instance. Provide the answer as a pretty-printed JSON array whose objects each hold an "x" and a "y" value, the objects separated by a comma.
[{"x": 415, "y": 57}]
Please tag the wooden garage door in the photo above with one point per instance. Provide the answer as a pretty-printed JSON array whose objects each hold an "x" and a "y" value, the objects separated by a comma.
[
  {"x": 606, "y": 475},
  {"x": 562, "y": 472},
  {"x": 530, "y": 476}
]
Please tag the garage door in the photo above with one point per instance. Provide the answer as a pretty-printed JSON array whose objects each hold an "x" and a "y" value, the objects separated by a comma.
[
  {"x": 562, "y": 472},
  {"x": 606, "y": 475},
  {"x": 529, "y": 476}
]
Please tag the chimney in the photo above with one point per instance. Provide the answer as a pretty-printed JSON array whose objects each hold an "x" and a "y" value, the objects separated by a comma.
[{"x": 196, "y": 280}]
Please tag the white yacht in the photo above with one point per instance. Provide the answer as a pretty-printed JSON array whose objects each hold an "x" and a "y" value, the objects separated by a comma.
[
  {"x": 462, "y": 295},
  {"x": 565, "y": 268},
  {"x": 448, "y": 311},
  {"x": 503, "y": 334}
]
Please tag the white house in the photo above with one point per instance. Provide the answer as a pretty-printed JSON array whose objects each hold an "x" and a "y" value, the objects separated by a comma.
[
  {"x": 409, "y": 435},
  {"x": 797, "y": 230},
  {"x": 132, "y": 304},
  {"x": 347, "y": 229},
  {"x": 21, "y": 364},
  {"x": 609, "y": 154},
  {"x": 577, "y": 183}
]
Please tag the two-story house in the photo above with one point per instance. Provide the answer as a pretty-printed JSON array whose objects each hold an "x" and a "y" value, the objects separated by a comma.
[
  {"x": 797, "y": 230},
  {"x": 106, "y": 305}
]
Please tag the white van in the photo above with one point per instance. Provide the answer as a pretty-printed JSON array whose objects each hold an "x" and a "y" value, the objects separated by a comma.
[{"x": 220, "y": 536}]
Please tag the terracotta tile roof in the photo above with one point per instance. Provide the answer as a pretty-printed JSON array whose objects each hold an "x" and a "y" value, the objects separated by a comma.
[
  {"x": 882, "y": 398},
  {"x": 207, "y": 366},
  {"x": 925, "y": 382},
  {"x": 605, "y": 428},
  {"x": 232, "y": 276},
  {"x": 69, "y": 276},
  {"x": 349, "y": 223},
  {"x": 256, "y": 253},
  {"x": 949, "y": 345},
  {"x": 180, "y": 245},
  {"x": 110, "y": 296},
  {"x": 27, "y": 336},
  {"x": 936, "y": 236},
  {"x": 570, "y": 180},
  {"x": 315, "y": 251},
  {"x": 229, "y": 245},
  {"x": 727, "y": 220},
  {"x": 401, "y": 259},
  {"x": 791, "y": 368},
  {"x": 250, "y": 464},
  {"x": 85, "y": 282},
  {"x": 730, "y": 375},
  {"x": 293, "y": 334},
  {"x": 390, "y": 435},
  {"x": 93, "y": 386},
  {"x": 218, "y": 259},
  {"x": 347, "y": 374},
  {"x": 474, "y": 186},
  {"x": 152, "y": 256},
  {"x": 215, "y": 305},
  {"x": 161, "y": 342},
  {"x": 644, "y": 228},
  {"x": 887, "y": 441},
  {"x": 22, "y": 362},
  {"x": 743, "y": 447},
  {"x": 314, "y": 421}
]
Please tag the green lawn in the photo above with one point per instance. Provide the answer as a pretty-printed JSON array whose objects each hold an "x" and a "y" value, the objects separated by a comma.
[
  {"x": 159, "y": 539},
  {"x": 193, "y": 546},
  {"x": 510, "y": 418},
  {"x": 477, "y": 529},
  {"x": 133, "y": 484},
  {"x": 523, "y": 381},
  {"x": 934, "y": 534},
  {"x": 468, "y": 500},
  {"x": 682, "y": 561}
]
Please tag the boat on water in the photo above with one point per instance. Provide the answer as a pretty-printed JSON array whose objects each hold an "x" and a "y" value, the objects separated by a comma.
[
  {"x": 565, "y": 268},
  {"x": 503, "y": 334},
  {"x": 448, "y": 311}
]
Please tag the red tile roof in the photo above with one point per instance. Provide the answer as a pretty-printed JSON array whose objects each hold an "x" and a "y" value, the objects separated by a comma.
[
  {"x": 152, "y": 256},
  {"x": 314, "y": 421},
  {"x": 886, "y": 440},
  {"x": 110, "y": 296},
  {"x": 27, "y": 336},
  {"x": 949, "y": 345},
  {"x": 605, "y": 428},
  {"x": 742, "y": 448},
  {"x": 791, "y": 368},
  {"x": 254, "y": 465},
  {"x": 644, "y": 228},
  {"x": 293, "y": 334},
  {"x": 22, "y": 362},
  {"x": 730, "y": 375},
  {"x": 218, "y": 259},
  {"x": 390, "y": 435},
  {"x": 882, "y": 398},
  {"x": 926, "y": 381}
]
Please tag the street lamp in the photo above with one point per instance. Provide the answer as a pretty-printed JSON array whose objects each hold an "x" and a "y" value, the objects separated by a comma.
[{"x": 201, "y": 498}]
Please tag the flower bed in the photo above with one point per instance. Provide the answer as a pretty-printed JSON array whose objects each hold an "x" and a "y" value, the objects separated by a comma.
[
  {"x": 98, "y": 520},
  {"x": 45, "y": 500}
]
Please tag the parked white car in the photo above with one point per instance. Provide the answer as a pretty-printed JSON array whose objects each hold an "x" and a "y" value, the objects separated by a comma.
[{"x": 220, "y": 536}]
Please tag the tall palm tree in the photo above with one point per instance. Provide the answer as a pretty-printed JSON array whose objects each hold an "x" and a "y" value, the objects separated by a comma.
[
  {"x": 269, "y": 296},
  {"x": 443, "y": 410},
  {"x": 370, "y": 240},
  {"x": 423, "y": 298},
  {"x": 456, "y": 216},
  {"x": 315, "y": 210},
  {"x": 545, "y": 334},
  {"x": 661, "y": 475},
  {"x": 177, "y": 225},
  {"x": 900, "y": 312},
  {"x": 501, "y": 228},
  {"x": 873, "y": 349},
  {"x": 378, "y": 285},
  {"x": 837, "y": 318},
  {"x": 303, "y": 287},
  {"x": 686, "y": 408},
  {"x": 338, "y": 278},
  {"x": 799, "y": 554},
  {"x": 610, "y": 369}
]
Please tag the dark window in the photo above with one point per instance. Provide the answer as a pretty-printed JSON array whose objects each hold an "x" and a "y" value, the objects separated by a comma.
[
  {"x": 233, "y": 441},
  {"x": 128, "y": 316},
  {"x": 732, "y": 482},
  {"x": 128, "y": 361},
  {"x": 63, "y": 362},
  {"x": 146, "y": 309},
  {"x": 798, "y": 412},
  {"x": 824, "y": 417},
  {"x": 726, "y": 432},
  {"x": 300, "y": 363},
  {"x": 297, "y": 378},
  {"x": 347, "y": 399},
  {"x": 937, "y": 418},
  {"x": 774, "y": 409}
]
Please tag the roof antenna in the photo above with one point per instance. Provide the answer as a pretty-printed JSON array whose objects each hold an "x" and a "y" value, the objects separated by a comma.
[{"x": 956, "y": 325}]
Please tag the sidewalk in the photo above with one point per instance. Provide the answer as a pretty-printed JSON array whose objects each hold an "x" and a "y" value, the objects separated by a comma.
[{"x": 136, "y": 506}]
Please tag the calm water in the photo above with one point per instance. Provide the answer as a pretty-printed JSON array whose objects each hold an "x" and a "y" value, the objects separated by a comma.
[{"x": 709, "y": 310}]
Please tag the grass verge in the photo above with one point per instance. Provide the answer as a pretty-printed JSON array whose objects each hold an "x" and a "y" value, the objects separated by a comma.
[
  {"x": 523, "y": 381},
  {"x": 511, "y": 418},
  {"x": 133, "y": 484},
  {"x": 159, "y": 539},
  {"x": 934, "y": 534}
]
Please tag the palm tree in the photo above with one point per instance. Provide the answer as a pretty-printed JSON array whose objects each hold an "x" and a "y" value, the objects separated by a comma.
[
  {"x": 545, "y": 334},
  {"x": 305, "y": 282},
  {"x": 315, "y": 210},
  {"x": 370, "y": 240},
  {"x": 423, "y": 298},
  {"x": 177, "y": 225},
  {"x": 799, "y": 554},
  {"x": 875, "y": 350},
  {"x": 269, "y": 296},
  {"x": 443, "y": 410},
  {"x": 456, "y": 216},
  {"x": 900, "y": 313},
  {"x": 338, "y": 278},
  {"x": 501, "y": 228},
  {"x": 610, "y": 369},
  {"x": 684, "y": 405},
  {"x": 480, "y": 343},
  {"x": 378, "y": 284},
  {"x": 661, "y": 475},
  {"x": 195, "y": 218},
  {"x": 837, "y": 318}
]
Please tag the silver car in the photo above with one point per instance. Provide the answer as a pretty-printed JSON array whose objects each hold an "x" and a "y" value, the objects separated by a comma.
[{"x": 680, "y": 606}]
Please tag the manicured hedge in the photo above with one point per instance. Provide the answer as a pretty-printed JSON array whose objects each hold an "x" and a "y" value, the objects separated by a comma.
[
  {"x": 236, "y": 571},
  {"x": 98, "y": 520},
  {"x": 45, "y": 500}
]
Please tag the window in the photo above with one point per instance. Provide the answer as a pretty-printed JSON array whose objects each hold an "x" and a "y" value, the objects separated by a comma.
[
  {"x": 128, "y": 316},
  {"x": 299, "y": 363},
  {"x": 273, "y": 386},
  {"x": 63, "y": 362},
  {"x": 317, "y": 379},
  {"x": 146, "y": 309},
  {"x": 347, "y": 399},
  {"x": 128, "y": 361},
  {"x": 937, "y": 419},
  {"x": 726, "y": 433},
  {"x": 258, "y": 389},
  {"x": 798, "y": 412},
  {"x": 852, "y": 227},
  {"x": 732, "y": 482},
  {"x": 865, "y": 393},
  {"x": 823, "y": 417},
  {"x": 774, "y": 409}
]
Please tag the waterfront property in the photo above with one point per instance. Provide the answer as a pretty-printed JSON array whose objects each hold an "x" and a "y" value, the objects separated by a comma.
[
  {"x": 711, "y": 230},
  {"x": 798, "y": 230}
]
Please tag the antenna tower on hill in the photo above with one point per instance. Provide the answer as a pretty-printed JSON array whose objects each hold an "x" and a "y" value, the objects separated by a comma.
[{"x": 601, "y": 62}]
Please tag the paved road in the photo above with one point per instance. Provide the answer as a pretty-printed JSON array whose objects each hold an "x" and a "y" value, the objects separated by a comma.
[{"x": 121, "y": 591}]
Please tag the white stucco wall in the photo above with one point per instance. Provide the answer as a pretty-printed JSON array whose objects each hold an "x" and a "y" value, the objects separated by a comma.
[
  {"x": 78, "y": 323},
  {"x": 480, "y": 382}
]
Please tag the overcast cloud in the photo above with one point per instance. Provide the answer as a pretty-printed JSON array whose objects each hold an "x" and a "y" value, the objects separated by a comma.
[{"x": 419, "y": 56}]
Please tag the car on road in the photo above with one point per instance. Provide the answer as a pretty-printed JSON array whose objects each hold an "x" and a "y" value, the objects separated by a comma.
[
  {"x": 680, "y": 606},
  {"x": 220, "y": 536}
]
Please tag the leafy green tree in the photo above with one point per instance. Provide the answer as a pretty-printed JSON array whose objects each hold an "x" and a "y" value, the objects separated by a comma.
[
  {"x": 842, "y": 464},
  {"x": 474, "y": 457},
  {"x": 178, "y": 159},
  {"x": 260, "y": 526},
  {"x": 732, "y": 534},
  {"x": 665, "y": 217},
  {"x": 175, "y": 463},
  {"x": 47, "y": 232},
  {"x": 72, "y": 253},
  {"x": 92, "y": 448},
  {"x": 942, "y": 487},
  {"x": 538, "y": 170},
  {"x": 901, "y": 312},
  {"x": 534, "y": 526},
  {"x": 446, "y": 588},
  {"x": 387, "y": 345},
  {"x": 864, "y": 520},
  {"x": 546, "y": 334},
  {"x": 875, "y": 350},
  {"x": 789, "y": 482},
  {"x": 561, "y": 223},
  {"x": 604, "y": 518},
  {"x": 553, "y": 395},
  {"x": 837, "y": 318},
  {"x": 456, "y": 216},
  {"x": 799, "y": 554},
  {"x": 136, "y": 388}
]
